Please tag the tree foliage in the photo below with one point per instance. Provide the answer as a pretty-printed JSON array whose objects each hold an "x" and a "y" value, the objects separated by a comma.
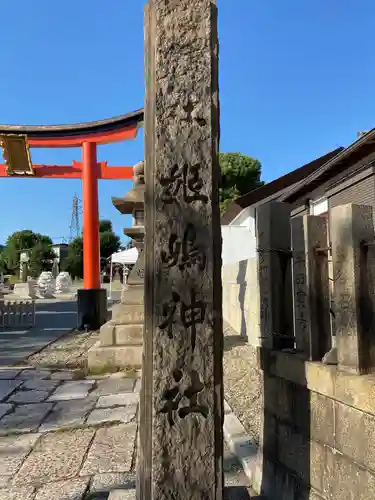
[
  {"x": 73, "y": 262},
  {"x": 19, "y": 241},
  {"x": 109, "y": 244},
  {"x": 239, "y": 175},
  {"x": 41, "y": 257}
]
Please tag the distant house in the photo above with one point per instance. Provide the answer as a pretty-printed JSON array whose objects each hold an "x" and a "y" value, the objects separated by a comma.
[
  {"x": 59, "y": 249},
  {"x": 239, "y": 251},
  {"x": 238, "y": 222},
  {"x": 348, "y": 177}
]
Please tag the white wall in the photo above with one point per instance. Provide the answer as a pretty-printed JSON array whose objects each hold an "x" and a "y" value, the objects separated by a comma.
[
  {"x": 239, "y": 276},
  {"x": 239, "y": 238}
]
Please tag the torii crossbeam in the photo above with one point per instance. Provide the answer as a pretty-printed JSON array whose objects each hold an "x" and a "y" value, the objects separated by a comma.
[{"x": 16, "y": 141}]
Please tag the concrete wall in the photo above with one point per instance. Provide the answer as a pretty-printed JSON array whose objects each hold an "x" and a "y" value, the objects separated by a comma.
[
  {"x": 241, "y": 298},
  {"x": 240, "y": 276},
  {"x": 317, "y": 431}
]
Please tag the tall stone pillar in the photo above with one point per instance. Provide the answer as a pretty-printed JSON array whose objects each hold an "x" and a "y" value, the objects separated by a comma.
[
  {"x": 312, "y": 326},
  {"x": 274, "y": 275},
  {"x": 354, "y": 294},
  {"x": 181, "y": 406}
]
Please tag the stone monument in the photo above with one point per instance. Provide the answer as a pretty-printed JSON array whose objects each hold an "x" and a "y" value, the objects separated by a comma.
[
  {"x": 121, "y": 338},
  {"x": 181, "y": 404}
]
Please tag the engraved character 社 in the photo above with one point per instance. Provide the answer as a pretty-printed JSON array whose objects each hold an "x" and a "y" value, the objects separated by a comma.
[
  {"x": 184, "y": 252},
  {"x": 173, "y": 398},
  {"x": 186, "y": 178}
]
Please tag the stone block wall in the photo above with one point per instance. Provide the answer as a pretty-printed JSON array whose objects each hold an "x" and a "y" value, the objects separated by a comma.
[
  {"x": 317, "y": 439},
  {"x": 317, "y": 431}
]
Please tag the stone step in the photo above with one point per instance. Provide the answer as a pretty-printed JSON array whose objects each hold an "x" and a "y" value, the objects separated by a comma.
[
  {"x": 114, "y": 356},
  {"x": 115, "y": 333},
  {"x": 133, "y": 295},
  {"x": 129, "y": 334},
  {"x": 128, "y": 314}
]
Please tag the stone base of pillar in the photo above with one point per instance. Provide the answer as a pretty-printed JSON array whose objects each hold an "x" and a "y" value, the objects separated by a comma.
[
  {"x": 92, "y": 308},
  {"x": 121, "y": 338}
]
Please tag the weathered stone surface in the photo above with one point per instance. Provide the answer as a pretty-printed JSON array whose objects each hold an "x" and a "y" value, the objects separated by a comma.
[
  {"x": 7, "y": 387},
  {"x": 129, "y": 334},
  {"x": 354, "y": 434},
  {"x": 129, "y": 398},
  {"x": 118, "y": 356},
  {"x": 28, "y": 397},
  {"x": 73, "y": 489},
  {"x": 123, "y": 414},
  {"x": 62, "y": 375},
  {"x": 274, "y": 274},
  {"x": 110, "y": 481},
  {"x": 13, "y": 451},
  {"x": 122, "y": 495},
  {"x": 40, "y": 384},
  {"x": 57, "y": 456},
  {"x": 25, "y": 418},
  {"x": 312, "y": 325},
  {"x": 182, "y": 371},
  {"x": 111, "y": 451},
  {"x": 128, "y": 314},
  {"x": 353, "y": 268},
  {"x": 17, "y": 493},
  {"x": 344, "y": 479},
  {"x": 72, "y": 390},
  {"x": 138, "y": 385},
  {"x": 8, "y": 374},
  {"x": 113, "y": 386},
  {"x": 67, "y": 414},
  {"x": 5, "y": 408},
  {"x": 33, "y": 373}
]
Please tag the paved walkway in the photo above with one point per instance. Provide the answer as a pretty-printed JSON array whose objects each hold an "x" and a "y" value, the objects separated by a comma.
[
  {"x": 54, "y": 318},
  {"x": 66, "y": 439}
]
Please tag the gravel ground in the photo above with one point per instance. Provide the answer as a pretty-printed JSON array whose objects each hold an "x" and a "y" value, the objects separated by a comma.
[
  {"x": 69, "y": 351},
  {"x": 242, "y": 381}
]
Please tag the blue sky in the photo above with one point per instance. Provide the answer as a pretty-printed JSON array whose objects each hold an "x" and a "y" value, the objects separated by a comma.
[{"x": 297, "y": 80}]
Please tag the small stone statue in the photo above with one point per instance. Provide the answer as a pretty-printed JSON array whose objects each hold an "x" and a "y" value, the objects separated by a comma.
[
  {"x": 139, "y": 173},
  {"x": 46, "y": 284}
]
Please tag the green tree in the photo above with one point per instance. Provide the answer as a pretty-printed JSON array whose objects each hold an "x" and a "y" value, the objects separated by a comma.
[
  {"x": 109, "y": 244},
  {"x": 239, "y": 175},
  {"x": 73, "y": 263},
  {"x": 109, "y": 241},
  {"x": 19, "y": 241},
  {"x": 3, "y": 265},
  {"x": 41, "y": 258},
  {"x": 105, "y": 226}
]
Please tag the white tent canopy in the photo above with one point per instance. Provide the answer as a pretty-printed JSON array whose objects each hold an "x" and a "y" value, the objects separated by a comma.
[{"x": 129, "y": 256}]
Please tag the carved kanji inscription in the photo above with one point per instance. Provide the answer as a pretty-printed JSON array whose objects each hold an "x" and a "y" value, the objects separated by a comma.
[{"x": 185, "y": 179}]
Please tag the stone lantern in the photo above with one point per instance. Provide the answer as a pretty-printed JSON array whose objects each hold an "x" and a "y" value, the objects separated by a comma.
[{"x": 121, "y": 338}]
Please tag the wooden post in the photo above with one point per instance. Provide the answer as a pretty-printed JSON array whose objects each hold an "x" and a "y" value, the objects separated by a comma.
[
  {"x": 312, "y": 327},
  {"x": 181, "y": 405},
  {"x": 353, "y": 272}
]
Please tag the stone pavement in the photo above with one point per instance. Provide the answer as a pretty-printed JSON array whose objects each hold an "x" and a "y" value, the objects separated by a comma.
[
  {"x": 68, "y": 439},
  {"x": 54, "y": 318}
]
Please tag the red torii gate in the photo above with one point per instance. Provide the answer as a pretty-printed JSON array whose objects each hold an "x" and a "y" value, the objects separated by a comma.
[{"x": 16, "y": 141}]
